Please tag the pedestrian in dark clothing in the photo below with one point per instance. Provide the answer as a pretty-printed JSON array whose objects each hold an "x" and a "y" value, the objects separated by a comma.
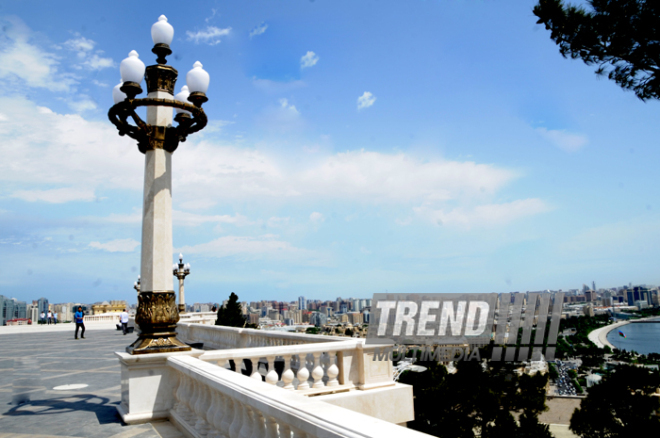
[{"x": 78, "y": 318}]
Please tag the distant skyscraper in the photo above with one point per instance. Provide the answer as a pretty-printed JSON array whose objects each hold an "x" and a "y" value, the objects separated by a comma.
[
  {"x": 43, "y": 305},
  {"x": 302, "y": 303}
]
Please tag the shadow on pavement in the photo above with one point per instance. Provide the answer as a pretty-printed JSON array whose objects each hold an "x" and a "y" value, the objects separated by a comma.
[{"x": 105, "y": 411}]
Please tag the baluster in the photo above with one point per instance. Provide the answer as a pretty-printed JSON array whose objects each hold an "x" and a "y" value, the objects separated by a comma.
[
  {"x": 237, "y": 423},
  {"x": 271, "y": 427},
  {"x": 297, "y": 433},
  {"x": 224, "y": 363},
  {"x": 271, "y": 376},
  {"x": 303, "y": 372},
  {"x": 201, "y": 426},
  {"x": 258, "y": 426},
  {"x": 229, "y": 415},
  {"x": 285, "y": 430},
  {"x": 215, "y": 416},
  {"x": 212, "y": 400},
  {"x": 248, "y": 421},
  {"x": 178, "y": 394},
  {"x": 194, "y": 395},
  {"x": 317, "y": 372},
  {"x": 287, "y": 373},
  {"x": 255, "y": 369},
  {"x": 332, "y": 370}
]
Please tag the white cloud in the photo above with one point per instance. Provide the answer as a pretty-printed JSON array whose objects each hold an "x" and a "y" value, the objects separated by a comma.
[
  {"x": 192, "y": 220},
  {"x": 484, "y": 215},
  {"x": 95, "y": 62},
  {"x": 82, "y": 105},
  {"x": 80, "y": 44},
  {"x": 99, "y": 83},
  {"x": 117, "y": 245},
  {"x": 253, "y": 248},
  {"x": 564, "y": 140},
  {"x": 21, "y": 60},
  {"x": 277, "y": 222},
  {"x": 51, "y": 149},
  {"x": 366, "y": 100},
  {"x": 284, "y": 104},
  {"x": 316, "y": 217},
  {"x": 56, "y": 196},
  {"x": 258, "y": 30},
  {"x": 309, "y": 60},
  {"x": 211, "y": 35}
]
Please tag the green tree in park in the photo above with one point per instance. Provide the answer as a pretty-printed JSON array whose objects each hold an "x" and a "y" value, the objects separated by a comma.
[
  {"x": 618, "y": 37},
  {"x": 620, "y": 406},
  {"x": 231, "y": 314}
]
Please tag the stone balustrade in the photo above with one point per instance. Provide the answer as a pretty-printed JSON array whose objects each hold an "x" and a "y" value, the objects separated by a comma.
[
  {"x": 213, "y": 402},
  {"x": 108, "y": 317},
  {"x": 221, "y": 337},
  {"x": 310, "y": 368}
]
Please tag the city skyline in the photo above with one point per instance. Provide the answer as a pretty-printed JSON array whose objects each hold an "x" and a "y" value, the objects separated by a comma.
[{"x": 431, "y": 147}]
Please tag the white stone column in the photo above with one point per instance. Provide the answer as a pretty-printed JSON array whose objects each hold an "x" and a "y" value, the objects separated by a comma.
[{"x": 156, "y": 266}]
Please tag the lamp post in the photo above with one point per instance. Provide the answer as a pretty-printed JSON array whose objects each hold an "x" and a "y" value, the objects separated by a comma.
[
  {"x": 157, "y": 312},
  {"x": 180, "y": 271}
]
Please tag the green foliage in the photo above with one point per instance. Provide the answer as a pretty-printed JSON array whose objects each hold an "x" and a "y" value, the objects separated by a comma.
[
  {"x": 313, "y": 331},
  {"x": 619, "y": 37},
  {"x": 620, "y": 406},
  {"x": 554, "y": 374},
  {"x": 348, "y": 332},
  {"x": 231, "y": 314},
  {"x": 474, "y": 399}
]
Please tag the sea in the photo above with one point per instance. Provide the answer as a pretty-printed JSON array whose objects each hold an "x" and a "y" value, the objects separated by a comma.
[{"x": 644, "y": 338}]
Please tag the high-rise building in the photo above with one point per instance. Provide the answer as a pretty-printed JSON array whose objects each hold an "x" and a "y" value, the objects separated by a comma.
[
  {"x": 43, "y": 305},
  {"x": 302, "y": 303},
  {"x": 318, "y": 319}
]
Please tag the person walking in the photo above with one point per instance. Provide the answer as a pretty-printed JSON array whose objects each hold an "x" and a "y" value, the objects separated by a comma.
[
  {"x": 50, "y": 317},
  {"x": 124, "y": 321},
  {"x": 78, "y": 318},
  {"x": 43, "y": 317}
]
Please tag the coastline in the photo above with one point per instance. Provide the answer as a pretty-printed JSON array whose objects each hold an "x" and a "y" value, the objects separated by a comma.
[{"x": 599, "y": 336}]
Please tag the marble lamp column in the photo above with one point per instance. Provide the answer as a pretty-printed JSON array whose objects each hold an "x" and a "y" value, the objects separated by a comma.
[{"x": 157, "y": 313}]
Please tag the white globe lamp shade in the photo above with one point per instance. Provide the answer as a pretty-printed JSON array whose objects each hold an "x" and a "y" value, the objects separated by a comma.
[
  {"x": 117, "y": 94},
  {"x": 197, "y": 79},
  {"x": 182, "y": 96},
  {"x": 131, "y": 68},
  {"x": 162, "y": 32}
]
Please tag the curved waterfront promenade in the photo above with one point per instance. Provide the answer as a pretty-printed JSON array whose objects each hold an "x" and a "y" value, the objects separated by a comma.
[{"x": 599, "y": 336}]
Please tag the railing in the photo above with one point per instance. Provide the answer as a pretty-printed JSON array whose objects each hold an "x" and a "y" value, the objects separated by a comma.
[
  {"x": 212, "y": 402},
  {"x": 102, "y": 318},
  {"x": 221, "y": 337},
  {"x": 312, "y": 369},
  {"x": 198, "y": 317}
]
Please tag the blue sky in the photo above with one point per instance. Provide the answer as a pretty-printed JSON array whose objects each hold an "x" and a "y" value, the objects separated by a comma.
[{"x": 353, "y": 148}]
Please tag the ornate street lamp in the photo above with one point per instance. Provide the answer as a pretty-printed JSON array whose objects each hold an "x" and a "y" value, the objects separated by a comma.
[
  {"x": 180, "y": 271},
  {"x": 157, "y": 312}
]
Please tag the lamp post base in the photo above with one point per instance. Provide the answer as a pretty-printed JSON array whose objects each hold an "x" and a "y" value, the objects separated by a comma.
[
  {"x": 182, "y": 308},
  {"x": 157, "y": 315},
  {"x": 162, "y": 343}
]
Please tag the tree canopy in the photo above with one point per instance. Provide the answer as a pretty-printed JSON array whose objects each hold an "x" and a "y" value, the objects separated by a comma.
[
  {"x": 231, "y": 314},
  {"x": 619, "y": 37},
  {"x": 620, "y": 406}
]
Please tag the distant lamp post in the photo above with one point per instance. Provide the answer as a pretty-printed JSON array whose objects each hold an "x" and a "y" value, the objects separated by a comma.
[
  {"x": 180, "y": 271},
  {"x": 157, "y": 312},
  {"x": 136, "y": 285}
]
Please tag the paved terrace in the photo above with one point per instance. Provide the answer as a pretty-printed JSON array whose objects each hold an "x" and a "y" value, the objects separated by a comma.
[{"x": 34, "y": 362}]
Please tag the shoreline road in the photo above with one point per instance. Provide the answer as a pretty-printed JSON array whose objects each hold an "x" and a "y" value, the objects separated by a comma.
[{"x": 599, "y": 336}]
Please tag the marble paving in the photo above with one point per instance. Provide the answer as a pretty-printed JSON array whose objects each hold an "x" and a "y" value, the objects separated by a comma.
[{"x": 33, "y": 364}]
